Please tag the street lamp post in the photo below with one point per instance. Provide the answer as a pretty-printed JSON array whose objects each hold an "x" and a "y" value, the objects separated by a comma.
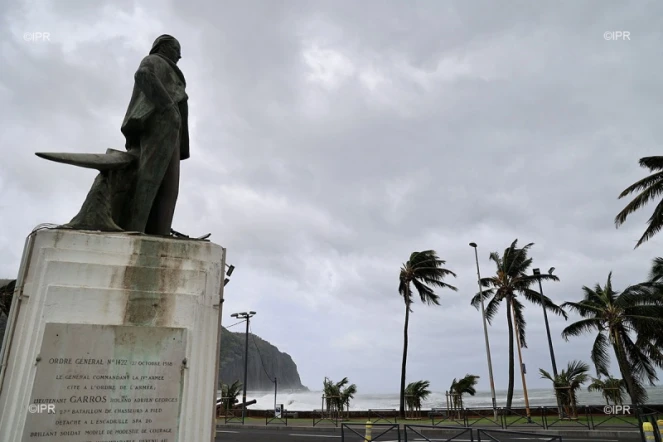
[
  {"x": 217, "y": 367},
  {"x": 275, "y": 399},
  {"x": 485, "y": 332},
  {"x": 537, "y": 273},
  {"x": 247, "y": 316}
]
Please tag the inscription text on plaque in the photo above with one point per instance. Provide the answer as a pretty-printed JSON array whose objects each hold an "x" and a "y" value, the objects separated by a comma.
[{"x": 107, "y": 384}]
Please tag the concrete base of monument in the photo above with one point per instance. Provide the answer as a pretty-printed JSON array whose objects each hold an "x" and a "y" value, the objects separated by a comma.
[{"x": 112, "y": 336}]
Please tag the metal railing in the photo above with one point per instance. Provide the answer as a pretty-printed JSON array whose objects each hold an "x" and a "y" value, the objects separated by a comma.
[
  {"x": 512, "y": 418},
  {"x": 452, "y": 417},
  {"x": 380, "y": 415},
  {"x": 508, "y": 436},
  {"x": 325, "y": 415},
  {"x": 483, "y": 416},
  {"x": 370, "y": 432},
  {"x": 270, "y": 416},
  {"x": 580, "y": 417},
  {"x": 610, "y": 416},
  {"x": 230, "y": 417},
  {"x": 588, "y": 417},
  {"x": 437, "y": 433}
]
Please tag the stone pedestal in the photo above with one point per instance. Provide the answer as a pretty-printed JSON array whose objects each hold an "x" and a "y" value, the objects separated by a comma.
[{"x": 115, "y": 338}]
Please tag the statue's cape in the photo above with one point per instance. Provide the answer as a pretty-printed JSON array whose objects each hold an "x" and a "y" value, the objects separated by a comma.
[
  {"x": 140, "y": 108},
  {"x": 172, "y": 64}
]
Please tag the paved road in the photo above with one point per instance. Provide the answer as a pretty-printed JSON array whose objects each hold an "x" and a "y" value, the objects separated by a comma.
[{"x": 293, "y": 435}]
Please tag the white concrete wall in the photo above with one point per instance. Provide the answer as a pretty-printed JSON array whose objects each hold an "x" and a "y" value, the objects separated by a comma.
[{"x": 118, "y": 279}]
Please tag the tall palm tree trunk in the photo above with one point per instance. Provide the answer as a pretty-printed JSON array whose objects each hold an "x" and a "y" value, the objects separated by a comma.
[
  {"x": 403, "y": 367},
  {"x": 509, "y": 392},
  {"x": 624, "y": 368}
]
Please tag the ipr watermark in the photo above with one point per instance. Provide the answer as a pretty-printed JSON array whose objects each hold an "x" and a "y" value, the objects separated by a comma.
[
  {"x": 617, "y": 35},
  {"x": 617, "y": 409},
  {"x": 41, "y": 408},
  {"x": 37, "y": 37}
]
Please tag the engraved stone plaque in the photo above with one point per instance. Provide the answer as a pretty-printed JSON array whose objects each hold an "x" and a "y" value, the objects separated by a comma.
[{"x": 102, "y": 383}]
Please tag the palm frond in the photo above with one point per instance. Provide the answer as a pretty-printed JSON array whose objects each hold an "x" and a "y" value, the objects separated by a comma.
[
  {"x": 652, "y": 163},
  {"x": 642, "y": 185},
  {"x": 599, "y": 355},
  {"x": 426, "y": 294},
  {"x": 639, "y": 294},
  {"x": 521, "y": 324},
  {"x": 424, "y": 270},
  {"x": 640, "y": 364},
  {"x": 476, "y": 299},
  {"x": 492, "y": 309},
  {"x": 581, "y": 327},
  {"x": 654, "y": 225},
  {"x": 535, "y": 298},
  {"x": 546, "y": 375},
  {"x": 649, "y": 187},
  {"x": 584, "y": 308},
  {"x": 656, "y": 272}
]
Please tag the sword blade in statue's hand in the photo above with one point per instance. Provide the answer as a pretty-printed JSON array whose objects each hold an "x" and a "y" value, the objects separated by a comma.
[{"x": 111, "y": 160}]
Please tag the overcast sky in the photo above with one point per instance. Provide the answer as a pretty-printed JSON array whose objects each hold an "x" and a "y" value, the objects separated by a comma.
[{"x": 329, "y": 140}]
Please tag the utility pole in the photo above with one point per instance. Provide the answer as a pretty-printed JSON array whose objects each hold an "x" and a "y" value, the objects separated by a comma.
[
  {"x": 217, "y": 368},
  {"x": 247, "y": 316},
  {"x": 485, "y": 332}
]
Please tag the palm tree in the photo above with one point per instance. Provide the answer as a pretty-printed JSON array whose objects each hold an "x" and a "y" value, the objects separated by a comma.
[
  {"x": 651, "y": 339},
  {"x": 567, "y": 383},
  {"x": 347, "y": 394},
  {"x": 338, "y": 395},
  {"x": 416, "y": 393},
  {"x": 616, "y": 316},
  {"x": 410, "y": 399},
  {"x": 460, "y": 387},
  {"x": 423, "y": 270},
  {"x": 230, "y": 394},
  {"x": 611, "y": 389},
  {"x": 332, "y": 394},
  {"x": 510, "y": 280},
  {"x": 650, "y": 187}
]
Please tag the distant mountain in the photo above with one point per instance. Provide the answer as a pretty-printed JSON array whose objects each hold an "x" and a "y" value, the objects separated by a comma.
[
  {"x": 265, "y": 363},
  {"x": 3, "y": 325},
  {"x": 6, "y": 291}
]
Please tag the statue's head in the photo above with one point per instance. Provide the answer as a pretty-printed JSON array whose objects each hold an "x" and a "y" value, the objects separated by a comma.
[{"x": 168, "y": 46}]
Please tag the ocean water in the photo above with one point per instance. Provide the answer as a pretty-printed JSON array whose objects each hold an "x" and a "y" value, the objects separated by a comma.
[{"x": 303, "y": 401}]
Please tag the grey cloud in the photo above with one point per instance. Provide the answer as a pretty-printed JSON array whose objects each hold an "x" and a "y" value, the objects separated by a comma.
[{"x": 330, "y": 140}]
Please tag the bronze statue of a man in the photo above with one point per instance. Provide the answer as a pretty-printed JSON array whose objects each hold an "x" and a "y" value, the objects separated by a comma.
[
  {"x": 156, "y": 130},
  {"x": 137, "y": 190}
]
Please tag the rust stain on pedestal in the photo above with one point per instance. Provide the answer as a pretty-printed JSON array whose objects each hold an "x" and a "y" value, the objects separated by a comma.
[{"x": 151, "y": 282}]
